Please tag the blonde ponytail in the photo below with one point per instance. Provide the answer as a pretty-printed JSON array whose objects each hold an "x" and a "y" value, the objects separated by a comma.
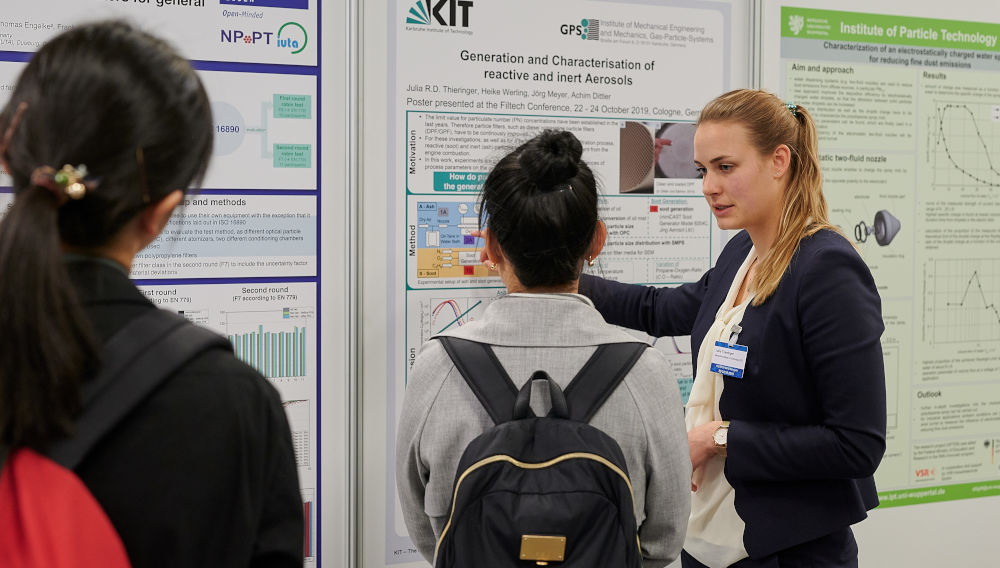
[{"x": 804, "y": 212}]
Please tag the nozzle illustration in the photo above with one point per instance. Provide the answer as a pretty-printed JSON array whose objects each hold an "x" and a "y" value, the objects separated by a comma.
[{"x": 885, "y": 228}]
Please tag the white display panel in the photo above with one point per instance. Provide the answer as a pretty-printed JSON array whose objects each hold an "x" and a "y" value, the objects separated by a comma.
[
  {"x": 628, "y": 78},
  {"x": 908, "y": 110},
  {"x": 251, "y": 31},
  {"x": 905, "y": 96},
  {"x": 242, "y": 255}
]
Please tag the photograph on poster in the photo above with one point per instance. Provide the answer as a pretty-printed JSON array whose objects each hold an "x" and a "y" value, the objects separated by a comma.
[{"x": 654, "y": 150}]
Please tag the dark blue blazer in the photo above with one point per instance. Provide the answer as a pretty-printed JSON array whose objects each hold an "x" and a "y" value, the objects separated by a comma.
[{"x": 808, "y": 418}]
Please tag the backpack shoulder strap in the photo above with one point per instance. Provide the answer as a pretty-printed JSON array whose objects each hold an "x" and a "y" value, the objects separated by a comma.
[
  {"x": 134, "y": 361},
  {"x": 485, "y": 375},
  {"x": 600, "y": 376}
]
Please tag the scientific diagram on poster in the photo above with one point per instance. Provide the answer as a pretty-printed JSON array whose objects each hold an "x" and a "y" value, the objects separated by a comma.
[
  {"x": 964, "y": 145},
  {"x": 272, "y": 328},
  {"x": 265, "y": 131},
  {"x": 273, "y": 341},
  {"x": 272, "y": 325},
  {"x": 442, "y": 251},
  {"x": 963, "y": 301},
  {"x": 438, "y": 311},
  {"x": 910, "y": 152}
]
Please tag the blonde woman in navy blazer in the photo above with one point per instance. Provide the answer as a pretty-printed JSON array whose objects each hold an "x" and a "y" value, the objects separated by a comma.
[{"x": 789, "y": 449}]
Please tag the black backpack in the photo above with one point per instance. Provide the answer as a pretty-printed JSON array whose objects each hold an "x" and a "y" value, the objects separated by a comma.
[
  {"x": 135, "y": 361},
  {"x": 536, "y": 490},
  {"x": 49, "y": 517}
]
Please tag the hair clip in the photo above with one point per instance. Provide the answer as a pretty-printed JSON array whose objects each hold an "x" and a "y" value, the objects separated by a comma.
[
  {"x": 792, "y": 107},
  {"x": 67, "y": 183}
]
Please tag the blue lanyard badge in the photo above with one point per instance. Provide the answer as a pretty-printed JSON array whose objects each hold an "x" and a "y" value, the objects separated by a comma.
[{"x": 729, "y": 359}]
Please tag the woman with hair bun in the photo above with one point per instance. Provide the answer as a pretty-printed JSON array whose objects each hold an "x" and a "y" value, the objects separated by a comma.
[
  {"x": 539, "y": 208},
  {"x": 105, "y": 129},
  {"x": 787, "y": 417}
]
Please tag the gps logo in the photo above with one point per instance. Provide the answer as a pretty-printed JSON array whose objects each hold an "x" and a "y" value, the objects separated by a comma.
[
  {"x": 571, "y": 29},
  {"x": 586, "y": 29}
]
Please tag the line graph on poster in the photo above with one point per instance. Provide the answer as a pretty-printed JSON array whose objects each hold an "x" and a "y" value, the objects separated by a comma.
[
  {"x": 446, "y": 312},
  {"x": 963, "y": 145},
  {"x": 962, "y": 300}
]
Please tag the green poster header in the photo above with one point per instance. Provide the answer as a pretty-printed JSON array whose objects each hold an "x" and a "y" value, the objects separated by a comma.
[
  {"x": 878, "y": 28},
  {"x": 938, "y": 493}
]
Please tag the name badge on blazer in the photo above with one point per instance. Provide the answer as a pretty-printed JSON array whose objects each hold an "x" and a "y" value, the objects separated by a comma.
[{"x": 729, "y": 359}]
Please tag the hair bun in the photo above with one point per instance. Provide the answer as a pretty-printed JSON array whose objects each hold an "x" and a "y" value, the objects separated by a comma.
[{"x": 551, "y": 158}]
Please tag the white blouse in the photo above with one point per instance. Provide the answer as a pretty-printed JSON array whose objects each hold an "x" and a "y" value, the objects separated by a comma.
[{"x": 715, "y": 531}]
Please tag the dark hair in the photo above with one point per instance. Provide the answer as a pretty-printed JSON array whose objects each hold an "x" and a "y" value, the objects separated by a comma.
[
  {"x": 541, "y": 205},
  {"x": 127, "y": 106}
]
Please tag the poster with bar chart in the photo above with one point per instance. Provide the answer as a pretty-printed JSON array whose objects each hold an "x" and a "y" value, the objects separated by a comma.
[
  {"x": 273, "y": 329},
  {"x": 273, "y": 341},
  {"x": 273, "y": 353}
]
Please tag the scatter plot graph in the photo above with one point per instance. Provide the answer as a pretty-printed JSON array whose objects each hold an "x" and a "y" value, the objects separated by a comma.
[
  {"x": 962, "y": 297},
  {"x": 964, "y": 145}
]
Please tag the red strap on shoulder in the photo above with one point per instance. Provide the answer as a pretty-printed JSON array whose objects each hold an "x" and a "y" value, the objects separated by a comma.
[{"x": 49, "y": 518}]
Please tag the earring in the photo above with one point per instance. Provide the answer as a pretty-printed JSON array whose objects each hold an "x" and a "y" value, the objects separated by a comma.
[
  {"x": 492, "y": 266},
  {"x": 590, "y": 261}
]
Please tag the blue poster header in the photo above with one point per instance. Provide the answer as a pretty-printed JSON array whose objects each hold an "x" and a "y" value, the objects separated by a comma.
[{"x": 296, "y": 4}]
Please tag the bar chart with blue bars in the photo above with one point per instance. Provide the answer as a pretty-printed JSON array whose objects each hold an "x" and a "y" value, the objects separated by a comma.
[{"x": 275, "y": 342}]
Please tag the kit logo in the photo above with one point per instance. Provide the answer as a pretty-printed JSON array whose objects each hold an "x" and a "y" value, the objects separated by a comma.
[
  {"x": 586, "y": 29},
  {"x": 441, "y": 12},
  {"x": 290, "y": 36}
]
